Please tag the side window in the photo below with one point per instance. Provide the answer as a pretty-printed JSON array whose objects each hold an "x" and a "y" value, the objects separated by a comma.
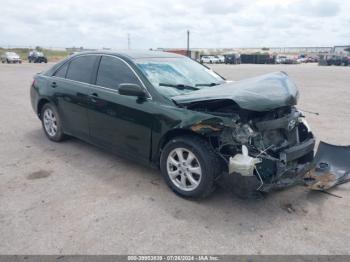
[
  {"x": 81, "y": 68},
  {"x": 62, "y": 71},
  {"x": 113, "y": 72}
]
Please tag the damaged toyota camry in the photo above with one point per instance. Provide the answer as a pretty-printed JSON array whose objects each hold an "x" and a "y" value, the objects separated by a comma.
[{"x": 173, "y": 113}]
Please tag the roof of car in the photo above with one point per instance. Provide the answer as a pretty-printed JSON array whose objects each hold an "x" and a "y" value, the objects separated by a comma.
[{"x": 135, "y": 54}]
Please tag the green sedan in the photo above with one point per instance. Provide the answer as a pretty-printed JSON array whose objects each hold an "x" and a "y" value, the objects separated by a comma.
[{"x": 177, "y": 115}]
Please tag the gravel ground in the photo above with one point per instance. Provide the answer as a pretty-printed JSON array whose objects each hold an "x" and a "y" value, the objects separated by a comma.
[{"x": 73, "y": 198}]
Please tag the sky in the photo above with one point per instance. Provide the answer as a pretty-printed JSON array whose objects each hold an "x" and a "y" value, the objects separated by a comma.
[{"x": 163, "y": 23}]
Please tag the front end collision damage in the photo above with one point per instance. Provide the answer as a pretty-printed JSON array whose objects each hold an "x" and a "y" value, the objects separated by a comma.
[
  {"x": 263, "y": 140},
  {"x": 272, "y": 149},
  {"x": 249, "y": 167}
]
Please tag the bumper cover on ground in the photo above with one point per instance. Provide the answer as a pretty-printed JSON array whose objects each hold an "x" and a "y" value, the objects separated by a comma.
[{"x": 332, "y": 167}]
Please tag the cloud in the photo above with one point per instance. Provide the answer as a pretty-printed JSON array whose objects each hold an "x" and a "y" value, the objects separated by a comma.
[
  {"x": 224, "y": 7},
  {"x": 322, "y": 8},
  {"x": 158, "y": 23}
]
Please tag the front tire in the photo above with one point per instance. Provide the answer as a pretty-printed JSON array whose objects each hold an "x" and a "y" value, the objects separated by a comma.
[
  {"x": 189, "y": 166},
  {"x": 51, "y": 123}
]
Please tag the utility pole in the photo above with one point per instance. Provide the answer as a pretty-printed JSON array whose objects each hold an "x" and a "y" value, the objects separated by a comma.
[
  {"x": 188, "y": 43},
  {"x": 129, "y": 41}
]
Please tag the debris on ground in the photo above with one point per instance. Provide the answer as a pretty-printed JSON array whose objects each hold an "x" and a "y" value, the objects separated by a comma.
[
  {"x": 332, "y": 167},
  {"x": 288, "y": 207}
]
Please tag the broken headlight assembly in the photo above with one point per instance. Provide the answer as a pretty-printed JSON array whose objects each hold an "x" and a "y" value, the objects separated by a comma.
[{"x": 304, "y": 122}]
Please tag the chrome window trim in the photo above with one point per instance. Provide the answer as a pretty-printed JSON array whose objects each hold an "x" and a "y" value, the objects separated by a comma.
[{"x": 149, "y": 97}]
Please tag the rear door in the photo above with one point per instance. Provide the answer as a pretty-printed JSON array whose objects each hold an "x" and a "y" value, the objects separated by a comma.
[
  {"x": 122, "y": 123},
  {"x": 72, "y": 84}
]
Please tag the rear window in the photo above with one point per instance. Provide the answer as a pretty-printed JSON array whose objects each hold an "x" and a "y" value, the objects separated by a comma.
[{"x": 81, "y": 68}]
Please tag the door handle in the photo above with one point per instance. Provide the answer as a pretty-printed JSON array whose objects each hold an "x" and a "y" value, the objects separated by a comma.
[
  {"x": 93, "y": 96},
  {"x": 53, "y": 84}
]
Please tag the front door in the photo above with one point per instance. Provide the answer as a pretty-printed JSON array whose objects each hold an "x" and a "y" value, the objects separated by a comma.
[{"x": 121, "y": 123}]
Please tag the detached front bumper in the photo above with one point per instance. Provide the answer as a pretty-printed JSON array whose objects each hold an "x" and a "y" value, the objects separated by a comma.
[{"x": 329, "y": 168}]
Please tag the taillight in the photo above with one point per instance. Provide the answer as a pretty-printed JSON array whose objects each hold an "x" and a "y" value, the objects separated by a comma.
[{"x": 33, "y": 83}]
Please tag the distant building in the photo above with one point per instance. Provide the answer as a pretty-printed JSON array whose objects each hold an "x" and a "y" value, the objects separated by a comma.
[
  {"x": 301, "y": 50},
  {"x": 78, "y": 49},
  {"x": 182, "y": 51},
  {"x": 195, "y": 53},
  {"x": 340, "y": 49}
]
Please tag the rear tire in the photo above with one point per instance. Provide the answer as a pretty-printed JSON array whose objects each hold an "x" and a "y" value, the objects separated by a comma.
[
  {"x": 51, "y": 123},
  {"x": 189, "y": 178}
]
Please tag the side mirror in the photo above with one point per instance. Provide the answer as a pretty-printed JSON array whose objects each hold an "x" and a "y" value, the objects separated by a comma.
[{"x": 129, "y": 89}]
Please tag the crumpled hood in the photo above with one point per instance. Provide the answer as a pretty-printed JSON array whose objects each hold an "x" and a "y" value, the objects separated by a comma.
[{"x": 260, "y": 93}]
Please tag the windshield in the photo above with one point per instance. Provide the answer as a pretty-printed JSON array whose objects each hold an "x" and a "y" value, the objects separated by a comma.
[
  {"x": 11, "y": 54},
  {"x": 175, "y": 76}
]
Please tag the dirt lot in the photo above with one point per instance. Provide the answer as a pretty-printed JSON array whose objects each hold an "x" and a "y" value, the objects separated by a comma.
[{"x": 73, "y": 198}]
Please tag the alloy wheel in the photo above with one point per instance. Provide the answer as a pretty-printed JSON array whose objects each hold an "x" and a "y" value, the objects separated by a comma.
[
  {"x": 184, "y": 169},
  {"x": 50, "y": 122}
]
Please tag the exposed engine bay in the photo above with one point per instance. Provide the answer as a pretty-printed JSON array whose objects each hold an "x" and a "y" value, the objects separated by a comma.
[
  {"x": 261, "y": 136},
  {"x": 274, "y": 146}
]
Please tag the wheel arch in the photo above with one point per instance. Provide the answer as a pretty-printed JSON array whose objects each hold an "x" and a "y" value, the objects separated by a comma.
[
  {"x": 170, "y": 135},
  {"x": 40, "y": 105}
]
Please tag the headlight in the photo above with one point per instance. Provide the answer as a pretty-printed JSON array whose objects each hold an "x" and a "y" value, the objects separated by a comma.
[{"x": 303, "y": 121}]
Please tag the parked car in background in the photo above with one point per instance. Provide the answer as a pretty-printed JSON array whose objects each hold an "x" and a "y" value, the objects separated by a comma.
[
  {"x": 36, "y": 57},
  {"x": 312, "y": 59},
  {"x": 280, "y": 59},
  {"x": 302, "y": 60},
  {"x": 209, "y": 59},
  {"x": 232, "y": 59},
  {"x": 285, "y": 60},
  {"x": 221, "y": 58},
  {"x": 307, "y": 59},
  {"x": 346, "y": 60},
  {"x": 332, "y": 59},
  {"x": 10, "y": 57},
  {"x": 177, "y": 115}
]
